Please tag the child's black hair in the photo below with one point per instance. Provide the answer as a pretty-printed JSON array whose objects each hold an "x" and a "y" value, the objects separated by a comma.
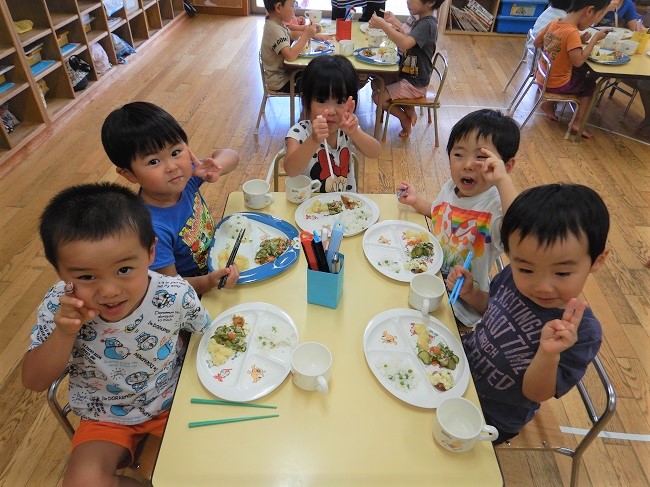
[
  {"x": 436, "y": 4},
  {"x": 138, "y": 129},
  {"x": 553, "y": 211},
  {"x": 329, "y": 76},
  {"x": 269, "y": 5},
  {"x": 561, "y": 4},
  {"x": 598, "y": 5},
  {"x": 502, "y": 130},
  {"x": 92, "y": 212}
]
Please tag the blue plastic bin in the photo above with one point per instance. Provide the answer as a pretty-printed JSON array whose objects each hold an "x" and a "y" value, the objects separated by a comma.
[
  {"x": 522, "y": 8},
  {"x": 514, "y": 25}
]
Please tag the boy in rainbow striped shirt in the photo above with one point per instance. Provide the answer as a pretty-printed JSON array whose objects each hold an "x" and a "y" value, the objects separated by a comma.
[{"x": 468, "y": 210}]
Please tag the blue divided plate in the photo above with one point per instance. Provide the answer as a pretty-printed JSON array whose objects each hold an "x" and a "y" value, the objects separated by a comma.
[
  {"x": 623, "y": 60},
  {"x": 362, "y": 54},
  {"x": 265, "y": 226},
  {"x": 318, "y": 48}
]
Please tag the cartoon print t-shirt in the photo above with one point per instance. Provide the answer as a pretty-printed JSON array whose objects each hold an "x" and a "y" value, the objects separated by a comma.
[
  {"x": 343, "y": 178},
  {"x": 464, "y": 224},
  {"x": 184, "y": 232},
  {"x": 126, "y": 372},
  {"x": 503, "y": 345}
]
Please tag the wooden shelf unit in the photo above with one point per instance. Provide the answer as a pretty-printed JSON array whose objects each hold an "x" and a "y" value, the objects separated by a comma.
[
  {"x": 492, "y": 6},
  {"x": 85, "y": 23}
]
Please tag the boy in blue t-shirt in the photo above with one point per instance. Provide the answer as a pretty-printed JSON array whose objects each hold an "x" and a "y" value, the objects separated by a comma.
[
  {"x": 149, "y": 148},
  {"x": 536, "y": 337}
]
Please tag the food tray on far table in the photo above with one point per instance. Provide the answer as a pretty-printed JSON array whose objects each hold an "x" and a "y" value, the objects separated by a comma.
[
  {"x": 356, "y": 211},
  {"x": 415, "y": 358},
  {"x": 317, "y": 48},
  {"x": 246, "y": 351},
  {"x": 400, "y": 249},
  {"x": 609, "y": 56},
  {"x": 270, "y": 245},
  {"x": 385, "y": 56}
]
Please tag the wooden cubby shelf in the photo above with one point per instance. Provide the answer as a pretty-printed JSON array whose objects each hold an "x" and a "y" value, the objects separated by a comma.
[{"x": 61, "y": 29}]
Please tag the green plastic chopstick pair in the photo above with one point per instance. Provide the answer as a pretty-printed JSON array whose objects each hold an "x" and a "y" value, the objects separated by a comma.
[{"x": 196, "y": 424}]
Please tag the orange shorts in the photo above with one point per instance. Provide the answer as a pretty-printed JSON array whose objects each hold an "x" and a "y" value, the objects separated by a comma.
[{"x": 124, "y": 435}]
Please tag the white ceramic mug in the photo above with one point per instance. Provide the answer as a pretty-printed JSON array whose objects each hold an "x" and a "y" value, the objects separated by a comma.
[
  {"x": 256, "y": 194},
  {"x": 459, "y": 425},
  {"x": 426, "y": 292},
  {"x": 610, "y": 40},
  {"x": 311, "y": 366},
  {"x": 375, "y": 37},
  {"x": 315, "y": 16},
  {"x": 346, "y": 47},
  {"x": 299, "y": 188},
  {"x": 626, "y": 47}
]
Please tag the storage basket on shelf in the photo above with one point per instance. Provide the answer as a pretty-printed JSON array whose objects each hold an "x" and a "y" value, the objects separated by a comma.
[
  {"x": 62, "y": 37},
  {"x": 34, "y": 55},
  {"x": 518, "y": 16}
]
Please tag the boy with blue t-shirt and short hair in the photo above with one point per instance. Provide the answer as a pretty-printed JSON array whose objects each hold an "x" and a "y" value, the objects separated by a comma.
[
  {"x": 149, "y": 148},
  {"x": 113, "y": 323},
  {"x": 536, "y": 337}
]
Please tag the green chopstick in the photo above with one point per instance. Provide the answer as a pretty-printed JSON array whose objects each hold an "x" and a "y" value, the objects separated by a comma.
[
  {"x": 195, "y": 400},
  {"x": 196, "y": 424}
]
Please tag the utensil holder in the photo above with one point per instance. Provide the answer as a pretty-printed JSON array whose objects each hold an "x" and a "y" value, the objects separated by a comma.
[
  {"x": 343, "y": 29},
  {"x": 324, "y": 288}
]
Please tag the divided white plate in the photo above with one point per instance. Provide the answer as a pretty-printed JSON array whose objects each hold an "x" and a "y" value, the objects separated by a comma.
[
  {"x": 356, "y": 220},
  {"x": 387, "y": 249},
  {"x": 390, "y": 347},
  {"x": 264, "y": 365}
]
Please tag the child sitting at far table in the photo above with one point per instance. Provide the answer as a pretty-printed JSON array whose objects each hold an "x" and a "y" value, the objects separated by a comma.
[
  {"x": 149, "y": 148},
  {"x": 561, "y": 41},
  {"x": 320, "y": 146},
  {"x": 113, "y": 323},
  {"x": 416, "y": 66},
  {"x": 466, "y": 215},
  {"x": 536, "y": 337}
]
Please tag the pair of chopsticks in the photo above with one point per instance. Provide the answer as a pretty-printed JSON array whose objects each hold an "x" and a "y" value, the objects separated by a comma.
[
  {"x": 196, "y": 424},
  {"x": 231, "y": 259},
  {"x": 453, "y": 297}
]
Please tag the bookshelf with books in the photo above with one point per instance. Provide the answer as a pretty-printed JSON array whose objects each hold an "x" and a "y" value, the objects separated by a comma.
[
  {"x": 476, "y": 17},
  {"x": 39, "y": 37}
]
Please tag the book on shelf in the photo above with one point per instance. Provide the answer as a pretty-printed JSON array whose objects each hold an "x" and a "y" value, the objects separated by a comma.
[
  {"x": 466, "y": 20},
  {"x": 480, "y": 11}
]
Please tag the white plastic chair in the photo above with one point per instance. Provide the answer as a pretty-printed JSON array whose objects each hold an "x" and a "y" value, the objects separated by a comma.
[{"x": 268, "y": 93}]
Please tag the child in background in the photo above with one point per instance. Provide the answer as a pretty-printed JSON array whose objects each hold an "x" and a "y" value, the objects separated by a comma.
[
  {"x": 561, "y": 41},
  {"x": 320, "y": 146},
  {"x": 536, "y": 337},
  {"x": 113, "y": 323},
  {"x": 416, "y": 66},
  {"x": 625, "y": 13},
  {"x": 149, "y": 148},
  {"x": 466, "y": 215},
  {"x": 555, "y": 10},
  {"x": 276, "y": 43}
]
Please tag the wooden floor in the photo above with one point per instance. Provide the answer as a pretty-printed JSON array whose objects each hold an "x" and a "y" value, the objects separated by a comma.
[{"x": 205, "y": 73}]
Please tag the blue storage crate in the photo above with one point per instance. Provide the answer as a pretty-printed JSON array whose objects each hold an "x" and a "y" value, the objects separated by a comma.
[
  {"x": 522, "y": 8},
  {"x": 514, "y": 25}
]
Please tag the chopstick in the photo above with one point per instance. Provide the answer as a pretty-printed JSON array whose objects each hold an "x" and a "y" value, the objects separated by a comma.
[
  {"x": 231, "y": 259},
  {"x": 196, "y": 424},
  {"x": 453, "y": 297},
  {"x": 196, "y": 400}
]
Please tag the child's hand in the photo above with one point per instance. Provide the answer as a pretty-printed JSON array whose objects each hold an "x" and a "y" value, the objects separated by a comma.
[
  {"x": 232, "y": 272},
  {"x": 585, "y": 37},
  {"x": 349, "y": 121},
  {"x": 209, "y": 170},
  {"x": 493, "y": 168},
  {"x": 320, "y": 130},
  {"x": 301, "y": 20},
  {"x": 559, "y": 335},
  {"x": 601, "y": 34},
  {"x": 311, "y": 30},
  {"x": 324, "y": 37},
  {"x": 408, "y": 194},
  {"x": 72, "y": 314},
  {"x": 377, "y": 22},
  {"x": 390, "y": 18},
  {"x": 454, "y": 274}
]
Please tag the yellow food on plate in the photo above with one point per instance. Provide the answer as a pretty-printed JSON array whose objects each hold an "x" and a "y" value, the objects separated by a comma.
[
  {"x": 422, "y": 333},
  {"x": 318, "y": 206},
  {"x": 218, "y": 353},
  {"x": 414, "y": 237},
  {"x": 441, "y": 380},
  {"x": 241, "y": 261}
]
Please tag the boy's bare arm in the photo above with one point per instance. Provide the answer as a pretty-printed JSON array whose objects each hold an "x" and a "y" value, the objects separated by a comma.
[
  {"x": 540, "y": 378},
  {"x": 228, "y": 159},
  {"x": 401, "y": 40},
  {"x": 579, "y": 56},
  {"x": 409, "y": 196},
  {"x": 291, "y": 53},
  {"x": 498, "y": 173},
  {"x": 202, "y": 284}
]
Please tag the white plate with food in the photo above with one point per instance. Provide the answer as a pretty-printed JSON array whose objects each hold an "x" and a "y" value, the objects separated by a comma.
[
  {"x": 415, "y": 358},
  {"x": 385, "y": 56},
  {"x": 270, "y": 245},
  {"x": 400, "y": 249},
  {"x": 356, "y": 211},
  {"x": 246, "y": 351},
  {"x": 623, "y": 32},
  {"x": 609, "y": 56},
  {"x": 317, "y": 48}
]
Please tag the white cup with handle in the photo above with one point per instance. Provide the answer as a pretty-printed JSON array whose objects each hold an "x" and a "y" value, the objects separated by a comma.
[
  {"x": 610, "y": 40},
  {"x": 459, "y": 424},
  {"x": 315, "y": 16},
  {"x": 311, "y": 366},
  {"x": 346, "y": 47},
  {"x": 300, "y": 188},
  {"x": 257, "y": 194},
  {"x": 627, "y": 47},
  {"x": 425, "y": 292}
]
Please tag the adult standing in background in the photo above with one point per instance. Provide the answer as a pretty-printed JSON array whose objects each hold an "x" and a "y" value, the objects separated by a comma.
[{"x": 369, "y": 7}]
